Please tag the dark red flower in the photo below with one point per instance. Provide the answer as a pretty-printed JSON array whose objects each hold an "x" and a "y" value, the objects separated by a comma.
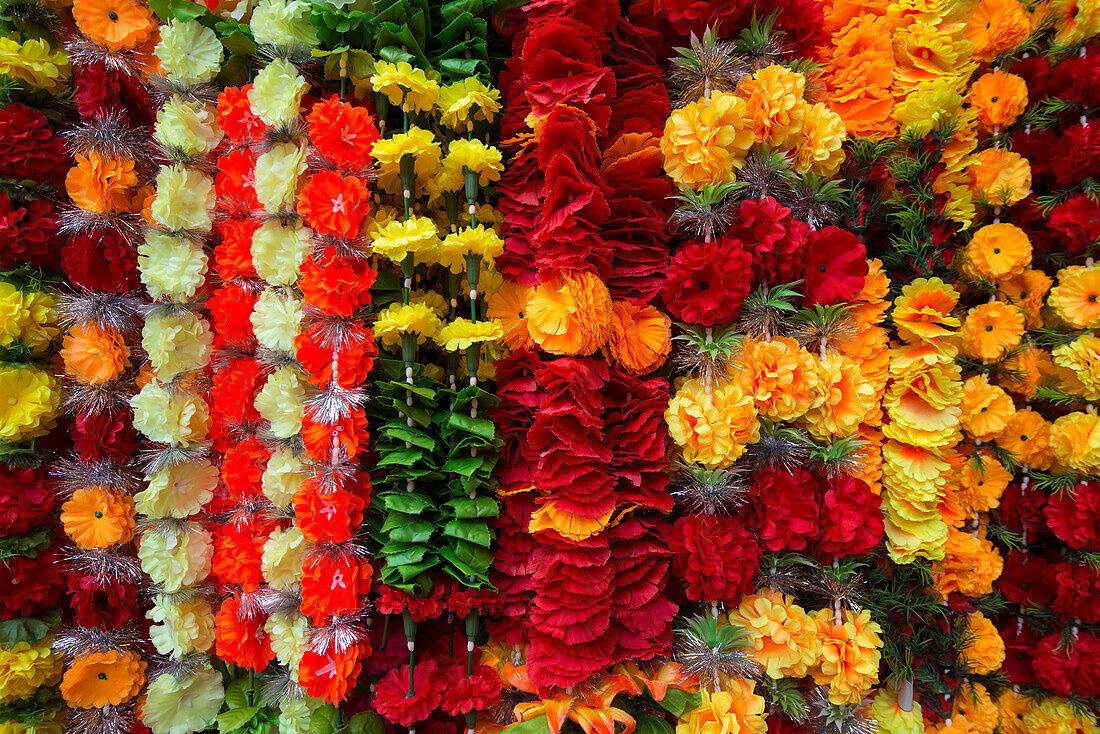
[
  {"x": 717, "y": 557},
  {"x": 27, "y": 499},
  {"x": 108, "y": 435},
  {"x": 101, "y": 260},
  {"x": 28, "y": 147},
  {"x": 1078, "y": 593},
  {"x": 102, "y": 602},
  {"x": 476, "y": 692},
  {"x": 786, "y": 509},
  {"x": 1020, "y": 644},
  {"x": 1076, "y": 156},
  {"x": 30, "y": 585},
  {"x": 836, "y": 264},
  {"x": 851, "y": 519},
  {"x": 1076, "y": 222},
  {"x": 774, "y": 238},
  {"x": 1028, "y": 579},
  {"x": 98, "y": 91},
  {"x": 707, "y": 281},
  {"x": 393, "y": 702},
  {"x": 1074, "y": 516},
  {"x": 1022, "y": 511},
  {"x": 28, "y": 233}
]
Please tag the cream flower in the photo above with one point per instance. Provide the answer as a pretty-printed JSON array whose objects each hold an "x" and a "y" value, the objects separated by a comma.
[
  {"x": 181, "y": 628},
  {"x": 184, "y": 200},
  {"x": 176, "y": 344},
  {"x": 282, "y": 558},
  {"x": 278, "y": 175},
  {"x": 276, "y": 320},
  {"x": 279, "y": 250},
  {"x": 281, "y": 401},
  {"x": 184, "y": 705},
  {"x": 282, "y": 23},
  {"x": 176, "y": 556},
  {"x": 295, "y": 715},
  {"x": 189, "y": 52},
  {"x": 178, "y": 491},
  {"x": 282, "y": 477},
  {"x": 287, "y": 634},
  {"x": 170, "y": 418},
  {"x": 187, "y": 126},
  {"x": 171, "y": 266},
  {"x": 276, "y": 93}
]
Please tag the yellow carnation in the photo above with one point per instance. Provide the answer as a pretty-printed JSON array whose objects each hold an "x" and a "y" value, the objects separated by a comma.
[
  {"x": 279, "y": 249},
  {"x": 706, "y": 141},
  {"x": 774, "y": 104},
  {"x": 187, "y": 126},
  {"x": 712, "y": 427},
  {"x": 467, "y": 101},
  {"x": 179, "y": 490},
  {"x": 281, "y": 401},
  {"x": 176, "y": 556},
  {"x": 461, "y": 334},
  {"x": 276, "y": 93},
  {"x": 181, "y": 627},
  {"x": 35, "y": 63},
  {"x": 850, "y": 653},
  {"x": 398, "y": 319},
  {"x": 184, "y": 199},
  {"x": 398, "y": 239},
  {"x": 783, "y": 638},
  {"x": 31, "y": 399},
  {"x": 484, "y": 161},
  {"x": 404, "y": 85},
  {"x": 388, "y": 152},
  {"x": 177, "y": 343},
  {"x": 171, "y": 267},
  {"x": 278, "y": 175},
  {"x": 820, "y": 146},
  {"x": 469, "y": 241},
  {"x": 189, "y": 52}
]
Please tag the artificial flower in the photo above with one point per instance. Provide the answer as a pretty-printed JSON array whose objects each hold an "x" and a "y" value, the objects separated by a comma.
[
  {"x": 183, "y": 704},
  {"x": 279, "y": 249},
  {"x": 466, "y": 101},
  {"x": 783, "y": 638},
  {"x": 1076, "y": 298},
  {"x": 176, "y": 556},
  {"x": 276, "y": 319},
  {"x": 640, "y": 338},
  {"x": 569, "y": 314},
  {"x": 169, "y": 416},
  {"x": 176, "y": 343},
  {"x": 99, "y": 679},
  {"x": 819, "y": 147},
  {"x": 712, "y": 425},
  {"x": 992, "y": 329},
  {"x": 986, "y": 408},
  {"x": 850, "y": 652},
  {"x": 779, "y": 376},
  {"x": 189, "y": 52},
  {"x": 276, "y": 93},
  {"x": 281, "y": 401},
  {"x": 736, "y": 709},
  {"x": 94, "y": 518},
  {"x": 94, "y": 355},
  {"x": 179, "y": 490},
  {"x": 32, "y": 398},
  {"x": 1001, "y": 177},
  {"x": 171, "y": 267},
  {"x": 278, "y": 174},
  {"x": 184, "y": 200},
  {"x": 283, "y": 23},
  {"x": 187, "y": 126},
  {"x": 460, "y": 334},
  {"x": 706, "y": 141},
  {"x": 180, "y": 627},
  {"x": 398, "y": 239},
  {"x": 998, "y": 98},
  {"x": 774, "y": 104}
]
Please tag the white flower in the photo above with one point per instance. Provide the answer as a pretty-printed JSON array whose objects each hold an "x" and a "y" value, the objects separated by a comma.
[
  {"x": 187, "y": 125},
  {"x": 178, "y": 491},
  {"x": 283, "y": 23},
  {"x": 176, "y": 557},
  {"x": 276, "y": 320},
  {"x": 184, "y": 199},
  {"x": 189, "y": 52},
  {"x": 279, "y": 250},
  {"x": 174, "y": 418},
  {"x": 183, "y": 706},
  {"x": 170, "y": 266},
  {"x": 282, "y": 400},
  {"x": 287, "y": 634},
  {"x": 278, "y": 172},
  {"x": 176, "y": 344},
  {"x": 180, "y": 628},
  {"x": 295, "y": 715},
  {"x": 276, "y": 92},
  {"x": 282, "y": 477}
]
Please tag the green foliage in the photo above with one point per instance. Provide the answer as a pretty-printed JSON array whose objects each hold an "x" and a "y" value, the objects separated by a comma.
[
  {"x": 29, "y": 629},
  {"x": 24, "y": 544}
]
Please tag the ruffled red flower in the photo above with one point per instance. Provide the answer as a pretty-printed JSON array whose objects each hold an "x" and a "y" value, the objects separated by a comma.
[
  {"x": 333, "y": 579},
  {"x": 238, "y": 553},
  {"x": 98, "y": 91},
  {"x": 641, "y": 614},
  {"x": 851, "y": 519},
  {"x": 231, "y": 307},
  {"x": 329, "y": 674},
  {"x": 240, "y": 638},
  {"x": 1078, "y": 593},
  {"x": 235, "y": 389},
  {"x": 30, "y": 585},
  {"x": 234, "y": 183},
  {"x": 1028, "y": 579},
  {"x": 774, "y": 238},
  {"x": 563, "y": 65},
  {"x": 333, "y": 517},
  {"x": 836, "y": 265},
  {"x": 694, "y": 16},
  {"x": 463, "y": 694},
  {"x": 336, "y": 285},
  {"x": 716, "y": 557},
  {"x": 102, "y": 603},
  {"x": 1020, "y": 644},
  {"x": 354, "y": 357},
  {"x": 101, "y": 260},
  {"x": 334, "y": 204},
  {"x": 28, "y": 233},
  {"x": 393, "y": 702},
  {"x": 635, "y": 431},
  {"x": 707, "y": 281},
  {"x": 1057, "y": 665},
  {"x": 235, "y": 116},
  {"x": 343, "y": 133},
  {"x": 1075, "y": 516},
  {"x": 395, "y": 601},
  {"x": 1076, "y": 222},
  {"x": 348, "y": 434},
  {"x": 27, "y": 499},
  {"x": 28, "y": 147},
  {"x": 108, "y": 435},
  {"x": 786, "y": 509},
  {"x": 463, "y": 601},
  {"x": 1021, "y": 511},
  {"x": 1076, "y": 155},
  {"x": 233, "y": 256}
]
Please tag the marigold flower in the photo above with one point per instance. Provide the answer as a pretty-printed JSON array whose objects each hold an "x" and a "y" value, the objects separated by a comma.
[
  {"x": 970, "y": 565},
  {"x": 25, "y": 666},
  {"x": 640, "y": 337},
  {"x": 850, "y": 653},
  {"x": 820, "y": 145},
  {"x": 461, "y": 334},
  {"x": 986, "y": 408},
  {"x": 388, "y": 152},
  {"x": 99, "y": 679},
  {"x": 1075, "y": 20},
  {"x": 94, "y": 355},
  {"x": 1027, "y": 438},
  {"x": 780, "y": 377},
  {"x": 923, "y": 310},
  {"x": 467, "y": 101},
  {"x": 479, "y": 241},
  {"x": 95, "y": 518},
  {"x": 35, "y": 62},
  {"x": 712, "y": 427},
  {"x": 992, "y": 329},
  {"x": 783, "y": 638},
  {"x": 985, "y": 650},
  {"x": 981, "y": 483},
  {"x": 998, "y": 252},
  {"x": 405, "y": 85},
  {"x": 101, "y": 184},
  {"x": 1075, "y": 441},
  {"x": 847, "y": 396},
  {"x": 31, "y": 399},
  {"x": 397, "y": 319},
  {"x": 1076, "y": 298},
  {"x": 923, "y": 398},
  {"x": 570, "y": 314},
  {"x": 1081, "y": 359},
  {"x": 1000, "y": 177},
  {"x": 996, "y": 26},
  {"x": 508, "y": 306},
  {"x": 706, "y": 141},
  {"x": 483, "y": 161},
  {"x": 114, "y": 24},
  {"x": 774, "y": 104},
  {"x": 734, "y": 710},
  {"x": 999, "y": 98},
  {"x": 1027, "y": 291}
]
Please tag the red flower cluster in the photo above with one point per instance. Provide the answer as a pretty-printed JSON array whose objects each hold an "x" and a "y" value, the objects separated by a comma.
[{"x": 27, "y": 499}]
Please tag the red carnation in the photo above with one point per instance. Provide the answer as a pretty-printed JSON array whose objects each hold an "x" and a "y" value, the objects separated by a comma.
[
  {"x": 1020, "y": 644},
  {"x": 462, "y": 601},
  {"x": 1076, "y": 222},
  {"x": 354, "y": 355},
  {"x": 1076, "y": 155},
  {"x": 1022, "y": 511},
  {"x": 27, "y": 499},
  {"x": 102, "y": 602},
  {"x": 1078, "y": 593},
  {"x": 395, "y": 601},
  {"x": 108, "y": 435},
  {"x": 774, "y": 238},
  {"x": 393, "y": 702},
  {"x": 836, "y": 264},
  {"x": 1075, "y": 516},
  {"x": 707, "y": 281},
  {"x": 716, "y": 556},
  {"x": 30, "y": 585},
  {"x": 28, "y": 147},
  {"x": 101, "y": 260},
  {"x": 1028, "y": 579},
  {"x": 235, "y": 389},
  {"x": 242, "y": 468},
  {"x": 233, "y": 256},
  {"x": 787, "y": 511},
  {"x": 98, "y": 90},
  {"x": 28, "y": 233},
  {"x": 851, "y": 521},
  {"x": 463, "y": 694}
]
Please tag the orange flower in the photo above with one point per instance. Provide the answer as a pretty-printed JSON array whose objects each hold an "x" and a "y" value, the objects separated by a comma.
[
  {"x": 1076, "y": 298},
  {"x": 923, "y": 310},
  {"x": 923, "y": 398},
  {"x": 999, "y": 98},
  {"x": 869, "y": 456},
  {"x": 847, "y": 396},
  {"x": 706, "y": 141},
  {"x": 1075, "y": 441},
  {"x": 736, "y": 708},
  {"x": 859, "y": 76},
  {"x": 981, "y": 484},
  {"x": 998, "y": 251},
  {"x": 1027, "y": 290},
  {"x": 1025, "y": 369},
  {"x": 334, "y": 204},
  {"x": 783, "y": 637},
  {"x": 508, "y": 306},
  {"x": 114, "y": 24},
  {"x": 240, "y": 636},
  {"x": 1027, "y": 438},
  {"x": 986, "y": 409},
  {"x": 997, "y": 26},
  {"x": 567, "y": 524},
  {"x": 991, "y": 329},
  {"x": 570, "y": 314},
  {"x": 985, "y": 650},
  {"x": 780, "y": 377},
  {"x": 970, "y": 565},
  {"x": 640, "y": 337},
  {"x": 100, "y": 679},
  {"x": 712, "y": 427},
  {"x": 850, "y": 654},
  {"x": 94, "y": 518},
  {"x": 774, "y": 104},
  {"x": 999, "y": 177},
  {"x": 328, "y": 674},
  {"x": 94, "y": 355},
  {"x": 100, "y": 184}
]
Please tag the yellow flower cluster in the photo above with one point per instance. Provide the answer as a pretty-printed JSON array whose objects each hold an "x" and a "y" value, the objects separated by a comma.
[
  {"x": 24, "y": 318},
  {"x": 25, "y": 667}
]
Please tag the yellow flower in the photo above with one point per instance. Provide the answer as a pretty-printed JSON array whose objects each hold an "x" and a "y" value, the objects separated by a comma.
[
  {"x": 189, "y": 52},
  {"x": 986, "y": 408},
  {"x": 923, "y": 398},
  {"x": 1012, "y": 707},
  {"x": 276, "y": 93},
  {"x": 847, "y": 396},
  {"x": 959, "y": 206},
  {"x": 819, "y": 149},
  {"x": 281, "y": 401},
  {"x": 929, "y": 102},
  {"x": 278, "y": 250},
  {"x": 706, "y": 141},
  {"x": 999, "y": 177},
  {"x": 35, "y": 63},
  {"x": 712, "y": 427},
  {"x": 1075, "y": 20},
  {"x": 774, "y": 104},
  {"x": 178, "y": 491},
  {"x": 1076, "y": 298},
  {"x": 181, "y": 627},
  {"x": 434, "y": 300},
  {"x": 973, "y": 706},
  {"x": 1075, "y": 441},
  {"x": 398, "y": 319},
  {"x": 278, "y": 174},
  {"x": 985, "y": 650},
  {"x": 282, "y": 477},
  {"x": 468, "y": 241},
  {"x": 30, "y": 400},
  {"x": 276, "y": 320},
  {"x": 283, "y": 23},
  {"x": 461, "y": 334},
  {"x": 998, "y": 252},
  {"x": 923, "y": 310},
  {"x": 734, "y": 710},
  {"x": 398, "y": 239},
  {"x": 171, "y": 267},
  {"x": 23, "y": 318},
  {"x": 170, "y": 417},
  {"x": 187, "y": 126},
  {"x": 1027, "y": 438},
  {"x": 780, "y": 376},
  {"x": 1082, "y": 358},
  {"x": 184, "y": 200},
  {"x": 189, "y": 703},
  {"x": 850, "y": 653},
  {"x": 783, "y": 638},
  {"x": 992, "y": 329},
  {"x": 177, "y": 556},
  {"x": 479, "y": 158},
  {"x": 404, "y": 85},
  {"x": 892, "y": 718},
  {"x": 388, "y": 152},
  {"x": 25, "y": 667},
  {"x": 467, "y": 101},
  {"x": 176, "y": 344},
  {"x": 927, "y": 52}
]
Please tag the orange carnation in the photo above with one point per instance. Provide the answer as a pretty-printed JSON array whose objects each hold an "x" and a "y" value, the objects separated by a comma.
[
  {"x": 970, "y": 565},
  {"x": 780, "y": 377},
  {"x": 508, "y": 306},
  {"x": 998, "y": 98},
  {"x": 334, "y": 204},
  {"x": 999, "y": 177},
  {"x": 101, "y": 184},
  {"x": 981, "y": 484},
  {"x": 923, "y": 310},
  {"x": 348, "y": 434},
  {"x": 1027, "y": 291},
  {"x": 95, "y": 518},
  {"x": 774, "y": 104},
  {"x": 850, "y": 654},
  {"x": 860, "y": 74},
  {"x": 992, "y": 329},
  {"x": 101, "y": 679},
  {"x": 998, "y": 251},
  {"x": 570, "y": 314},
  {"x": 640, "y": 337},
  {"x": 984, "y": 650},
  {"x": 986, "y": 408},
  {"x": 328, "y": 675},
  {"x": 997, "y": 26},
  {"x": 114, "y": 24},
  {"x": 94, "y": 355},
  {"x": 847, "y": 396},
  {"x": 240, "y": 636}
]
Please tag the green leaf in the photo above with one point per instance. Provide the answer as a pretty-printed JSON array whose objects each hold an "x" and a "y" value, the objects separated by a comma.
[
  {"x": 402, "y": 554},
  {"x": 409, "y": 435},
  {"x": 323, "y": 720},
  {"x": 537, "y": 725},
  {"x": 365, "y": 722},
  {"x": 234, "y": 719},
  {"x": 235, "y": 694},
  {"x": 28, "y": 629},
  {"x": 25, "y": 544},
  {"x": 471, "y": 531},
  {"x": 676, "y": 702},
  {"x": 419, "y": 531},
  {"x": 464, "y": 465},
  {"x": 652, "y": 725},
  {"x": 477, "y": 426},
  {"x": 400, "y": 457},
  {"x": 466, "y": 508},
  {"x": 410, "y": 503}
]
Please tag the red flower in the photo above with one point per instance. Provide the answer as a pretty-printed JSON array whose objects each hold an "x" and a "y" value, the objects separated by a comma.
[
  {"x": 1076, "y": 155},
  {"x": 238, "y": 553},
  {"x": 342, "y": 133},
  {"x": 393, "y": 702},
  {"x": 334, "y": 204},
  {"x": 231, "y": 306},
  {"x": 1020, "y": 644},
  {"x": 235, "y": 181},
  {"x": 462, "y": 694},
  {"x": 107, "y": 435},
  {"x": 235, "y": 116},
  {"x": 1076, "y": 222},
  {"x": 243, "y": 467},
  {"x": 233, "y": 257},
  {"x": 775, "y": 240},
  {"x": 395, "y": 601},
  {"x": 333, "y": 517},
  {"x": 1022, "y": 511},
  {"x": 716, "y": 557},
  {"x": 562, "y": 65},
  {"x": 1078, "y": 593},
  {"x": 333, "y": 579},
  {"x": 336, "y": 285},
  {"x": 851, "y": 519},
  {"x": 786, "y": 509},
  {"x": 1075, "y": 516},
  {"x": 30, "y": 585},
  {"x": 707, "y": 281},
  {"x": 328, "y": 674},
  {"x": 28, "y": 147},
  {"x": 27, "y": 499},
  {"x": 28, "y": 233},
  {"x": 348, "y": 434},
  {"x": 235, "y": 389},
  {"x": 1056, "y": 665},
  {"x": 464, "y": 601},
  {"x": 1027, "y": 579},
  {"x": 98, "y": 90},
  {"x": 102, "y": 602},
  {"x": 101, "y": 260},
  {"x": 836, "y": 264},
  {"x": 354, "y": 356},
  {"x": 694, "y": 16},
  {"x": 240, "y": 638}
]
